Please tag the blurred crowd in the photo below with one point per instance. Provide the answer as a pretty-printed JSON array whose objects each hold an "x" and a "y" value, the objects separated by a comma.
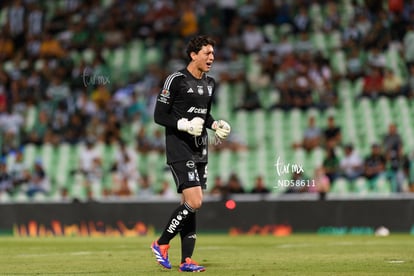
[
  {"x": 343, "y": 163},
  {"x": 49, "y": 97}
]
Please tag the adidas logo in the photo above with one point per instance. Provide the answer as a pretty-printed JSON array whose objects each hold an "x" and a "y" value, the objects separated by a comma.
[
  {"x": 161, "y": 256},
  {"x": 190, "y": 90}
]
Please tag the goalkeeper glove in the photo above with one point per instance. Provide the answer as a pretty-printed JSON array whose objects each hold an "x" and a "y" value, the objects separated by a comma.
[
  {"x": 222, "y": 129},
  {"x": 193, "y": 127}
]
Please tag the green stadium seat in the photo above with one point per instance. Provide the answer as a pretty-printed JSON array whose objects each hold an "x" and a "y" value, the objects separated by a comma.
[
  {"x": 88, "y": 55},
  {"x": 241, "y": 166},
  {"x": 77, "y": 189},
  {"x": 275, "y": 125},
  {"x": 39, "y": 198},
  {"x": 20, "y": 197},
  {"x": 10, "y": 158},
  {"x": 315, "y": 12},
  {"x": 223, "y": 99},
  {"x": 240, "y": 126},
  {"x": 155, "y": 165},
  {"x": 97, "y": 188},
  {"x": 106, "y": 54},
  {"x": 357, "y": 87},
  {"x": 3, "y": 17},
  {"x": 136, "y": 54},
  {"x": 258, "y": 119},
  {"x": 46, "y": 154},
  {"x": 383, "y": 114},
  {"x": 383, "y": 186},
  {"x": 55, "y": 196},
  {"x": 153, "y": 55},
  {"x": 106, "y": 3},
  {"x": 361, "y": 186},
  {"x": 225, "y": 164},
  {"x": 270, "y": 32},
  {"x": 30, "y": 117},
  {"x": 334, "y": 40},
  {"x": 319, "y": 41},
  {"x": 74, "y": 55},
  {"x": 5, "y": 197},
  {"x": 347, "y": 12},
  {"x": 295, "y": 123},
  {"x": 338, "y": 62},
  {"x": 299, "y": 157},
  {"x": 392, "y": 60},
  {"x": 253, "y": 68},
  {"x": 340, "y": 186},
  {"x": 344, "y": 90},
  {"x": 349, "y": 134},
  {"x": 30, "y": 154},
  {"x": 8, "y": 66},
  {"x": 62, "y": 169},
  {"x": 317, "y": 156},
  {"x": 119, "y": 58}
]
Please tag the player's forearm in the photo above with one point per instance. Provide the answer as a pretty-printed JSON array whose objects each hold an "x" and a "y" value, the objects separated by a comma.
[
  {"x": 164, "y": 118},
  {"x": 209, "y": 121}
]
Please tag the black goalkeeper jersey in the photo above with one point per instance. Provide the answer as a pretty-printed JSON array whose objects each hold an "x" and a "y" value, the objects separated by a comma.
[{"x": 184, "y": 96}]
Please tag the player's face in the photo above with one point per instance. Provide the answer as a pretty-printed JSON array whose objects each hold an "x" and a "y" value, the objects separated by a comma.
[{"x": 204, "y": 58}]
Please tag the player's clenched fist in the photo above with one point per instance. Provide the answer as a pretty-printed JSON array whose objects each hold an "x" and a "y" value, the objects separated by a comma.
[
  {"x": 222, "y": 129},
  {"x": 194, "y": 127}
]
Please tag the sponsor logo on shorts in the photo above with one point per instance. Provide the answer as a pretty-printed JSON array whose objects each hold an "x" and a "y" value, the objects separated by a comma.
[
  {"x": 190, "y": 164},
  {"x": 191, "y": 176}
]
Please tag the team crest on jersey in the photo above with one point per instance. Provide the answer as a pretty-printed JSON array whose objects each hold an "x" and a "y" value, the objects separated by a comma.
[
  {"x": 165, "y": 93},
  {"x": 210, "y": 90},
  {"x": 200, "y": 90},
  {"x": 190, "y": 90},
  {"x": 191, "y": 176}
]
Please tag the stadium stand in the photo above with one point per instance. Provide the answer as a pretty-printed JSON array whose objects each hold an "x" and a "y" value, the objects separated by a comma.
[{"x": 143, "y": 47}]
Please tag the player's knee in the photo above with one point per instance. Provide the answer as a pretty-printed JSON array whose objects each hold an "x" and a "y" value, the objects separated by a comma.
[{"x": 195, "y": 203}]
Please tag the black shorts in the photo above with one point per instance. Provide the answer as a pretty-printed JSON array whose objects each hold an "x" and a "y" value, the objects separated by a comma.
[{"x": 189, "y": 174}]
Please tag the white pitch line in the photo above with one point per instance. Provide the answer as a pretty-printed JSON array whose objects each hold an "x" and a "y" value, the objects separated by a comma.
[
  {"x": 291, "y": 245},
  {"x": 396, "y": 261},
  {"x": 81, "y": 253},
  {"x": 76, "y": 253}
]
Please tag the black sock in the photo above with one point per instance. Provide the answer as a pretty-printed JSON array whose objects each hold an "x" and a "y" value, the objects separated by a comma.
[
  {"x": 188, "y": 237},
  {"x": 175, "y": 223}
]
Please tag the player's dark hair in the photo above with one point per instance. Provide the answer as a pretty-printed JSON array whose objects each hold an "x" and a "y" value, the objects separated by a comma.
[{"x": 196, "y": 43}]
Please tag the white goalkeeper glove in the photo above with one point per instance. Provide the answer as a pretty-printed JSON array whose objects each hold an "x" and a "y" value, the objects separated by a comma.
[
  {"x": 193, "y": 127},
  {"x": 222, "y": 129}
]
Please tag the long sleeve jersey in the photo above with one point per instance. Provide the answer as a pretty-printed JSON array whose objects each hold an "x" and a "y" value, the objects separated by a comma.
[{"x": 184, "y": 96}]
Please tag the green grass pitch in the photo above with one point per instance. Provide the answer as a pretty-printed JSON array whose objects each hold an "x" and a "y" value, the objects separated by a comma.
[{"x": 298, "y": 254}]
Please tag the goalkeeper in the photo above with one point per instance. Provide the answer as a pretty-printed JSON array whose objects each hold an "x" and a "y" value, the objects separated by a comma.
[{"x": 183, "y": 108}]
